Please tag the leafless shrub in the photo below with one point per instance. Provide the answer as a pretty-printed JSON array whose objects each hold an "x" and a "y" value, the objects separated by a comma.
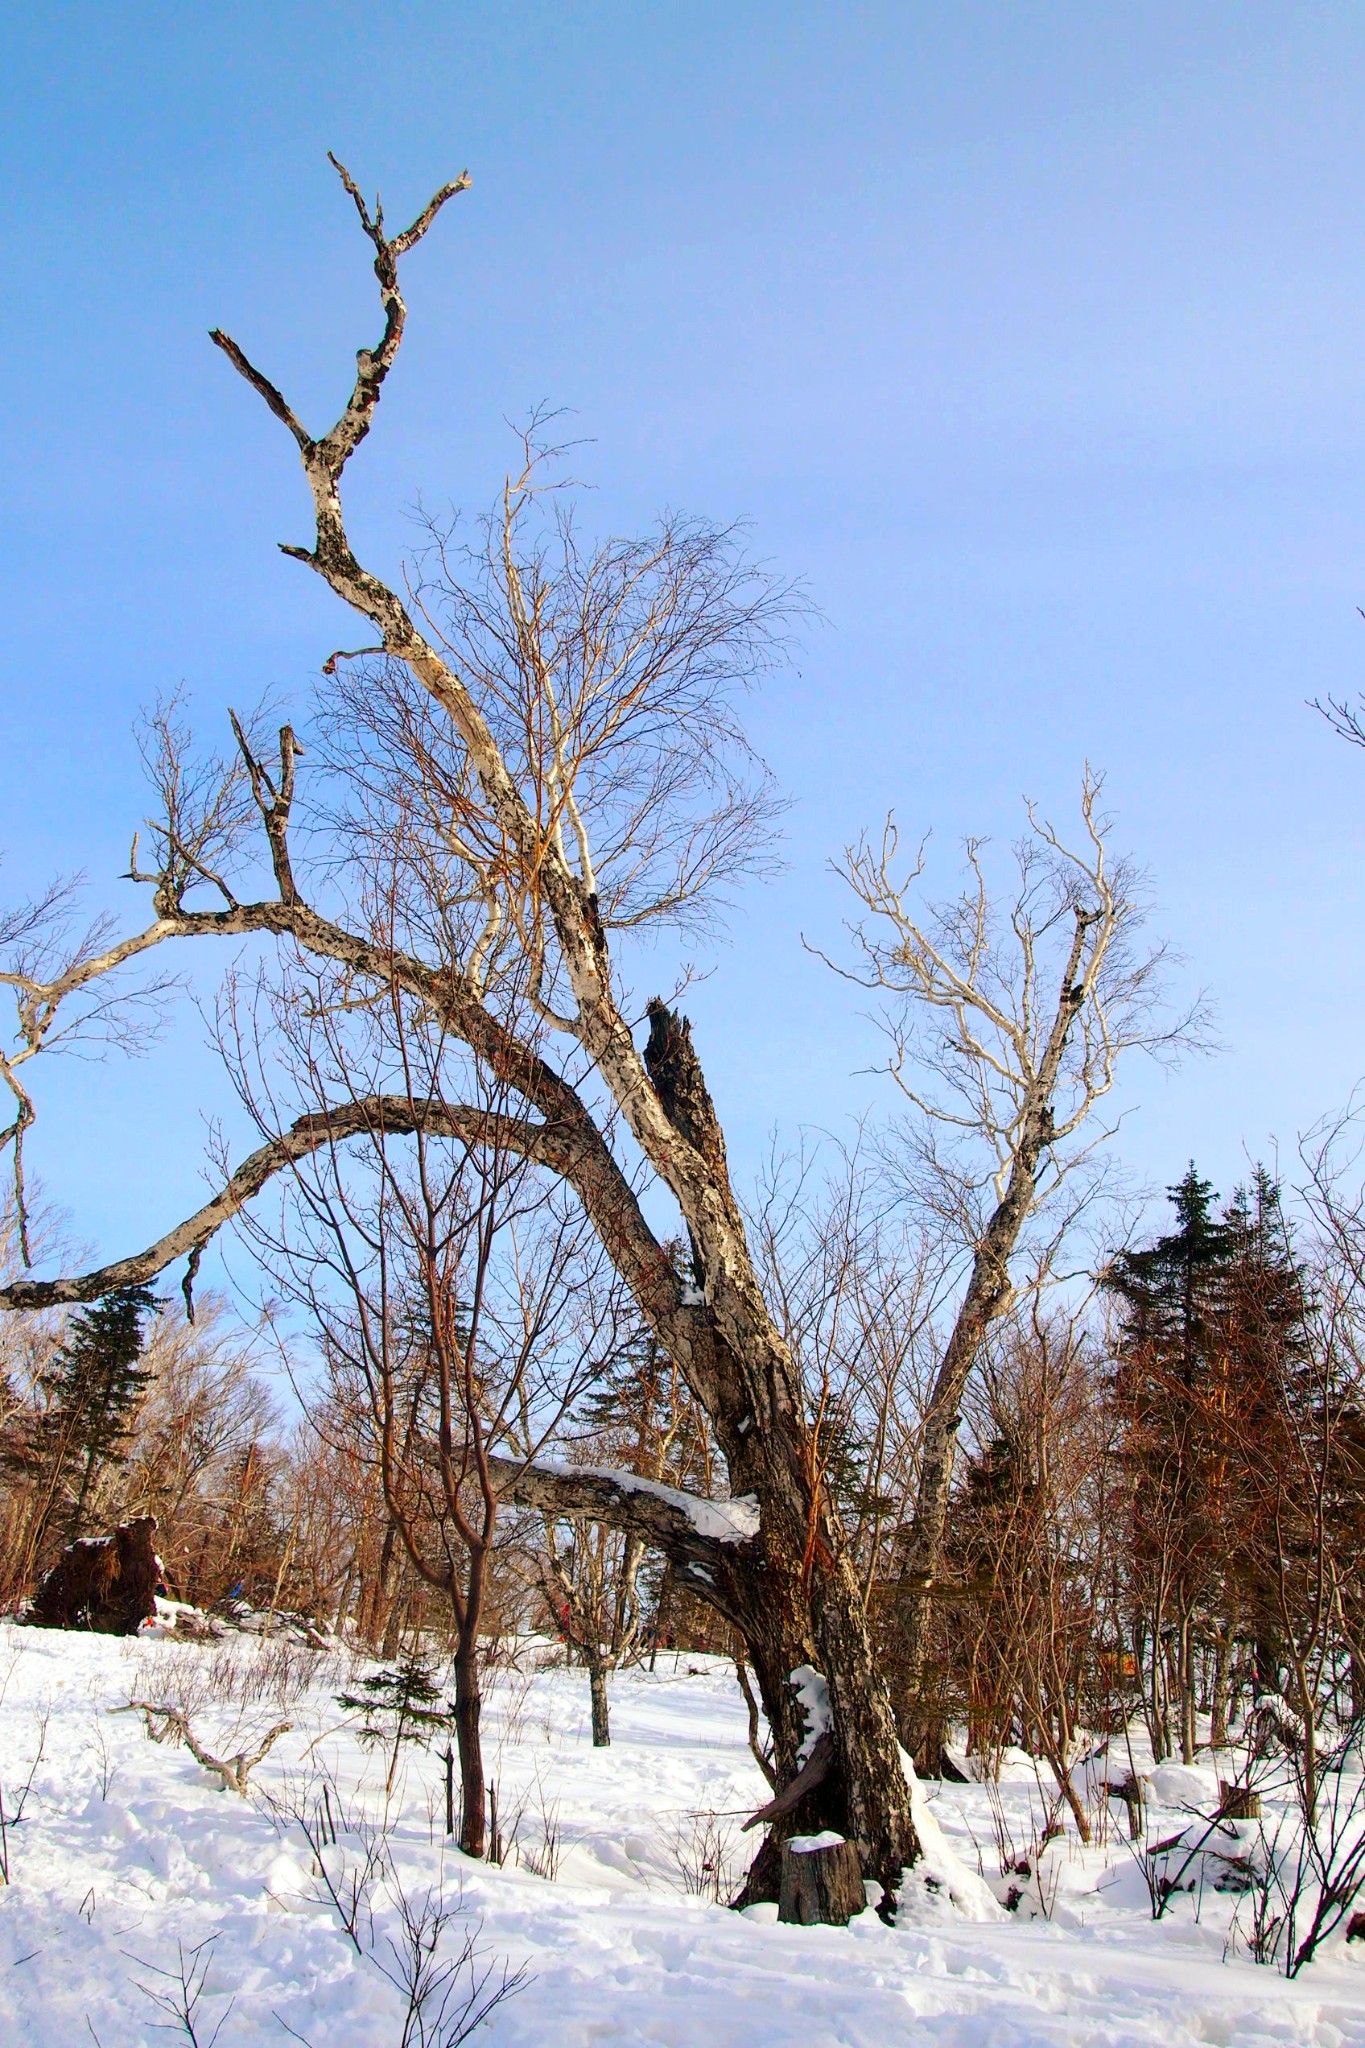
[
  {"x": 1309, "y": 1873},
  {"x": 1018, "y": 1857},
  {"x": 1178, "y": 1863},
  {"x": 12, "y": 1816},
  {"x": 106, "y": 1770},
  {"x": 513, "y": 1695},
  {"x": 703, "y": 1847},
  {"x": 445, "y": 1997},
  {"x": 281, "y": 1673},
  {"x": 184, "y": 1677},
  {"x": 349, "y": 1857},
  {"x": 542, "y": 1859},
  {"x": 274, "y": 1673},
  {"x": 187, "y": 1988}
]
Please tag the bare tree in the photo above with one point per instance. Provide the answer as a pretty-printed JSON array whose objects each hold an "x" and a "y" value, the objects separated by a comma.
[
  {"x": 556, "y": 723},
  {"x": 590, "y": 1583},
  {"x": 1033, "y": 1542},
  {"x": 1006, "y": 1028},
  {"x": 459, "y": 1301},
  {"x": 67, "y": 999},
  {"x": 859, "y": 1281}
]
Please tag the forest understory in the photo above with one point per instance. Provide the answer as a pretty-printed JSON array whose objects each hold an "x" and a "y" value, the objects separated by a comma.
[{"x": 129, "y": 1862}]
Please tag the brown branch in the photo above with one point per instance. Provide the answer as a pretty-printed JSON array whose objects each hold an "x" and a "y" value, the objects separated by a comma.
[
  {"x": 274, "y": 801},
  {"x": 761, "y": 1756},
  {"x": 273, "y": 397},
  {"x": 570, "y": 1141},
  {"x": 234, "y": 1771},
  {"x": 607, "y": 1198},
  {"x": 813, "y": 1772}
]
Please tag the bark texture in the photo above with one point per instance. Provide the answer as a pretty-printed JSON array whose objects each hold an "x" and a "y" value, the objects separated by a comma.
[
  {"x": 821, "y": 1886},
  {"x": 987, "y": 1297}
]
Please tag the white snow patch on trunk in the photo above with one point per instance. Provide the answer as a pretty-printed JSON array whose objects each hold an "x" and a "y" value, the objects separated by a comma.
[
  {"x": 940, "y": 1868},
  {"x": 812, "y": 1691}
]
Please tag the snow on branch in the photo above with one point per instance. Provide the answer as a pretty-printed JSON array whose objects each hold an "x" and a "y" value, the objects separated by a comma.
[{"x": 689, "y": 1530}]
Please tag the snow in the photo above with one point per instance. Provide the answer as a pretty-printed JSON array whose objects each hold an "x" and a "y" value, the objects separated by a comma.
[
  {"x": 812, "y": 1695},
  {"x": 126, "y": 1848},
  {"x": 806, "y": 1845}
]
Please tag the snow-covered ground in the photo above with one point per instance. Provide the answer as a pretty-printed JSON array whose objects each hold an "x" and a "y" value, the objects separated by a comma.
[{"x": 127, "y": 1859}]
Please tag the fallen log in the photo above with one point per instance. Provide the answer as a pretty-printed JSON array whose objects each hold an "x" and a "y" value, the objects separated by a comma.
[{"x": 233, "y": 1772}]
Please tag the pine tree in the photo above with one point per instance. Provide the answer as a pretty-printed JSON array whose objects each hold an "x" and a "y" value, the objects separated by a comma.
[
  {"x": 94, "y": 1387},
  {"x": 1170, "y": 1289},
  {"x": 398, "y": 1706},
  {"x": 1210, "y": 1381},
  {"x": 641, "y": 1407}
]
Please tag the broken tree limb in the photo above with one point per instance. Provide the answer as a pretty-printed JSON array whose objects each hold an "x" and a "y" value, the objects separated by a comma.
[
  {"x": 682, "y": 1526},
  {"x": 813, "y": 1772},
  {"x": 234, "y": 1772}
]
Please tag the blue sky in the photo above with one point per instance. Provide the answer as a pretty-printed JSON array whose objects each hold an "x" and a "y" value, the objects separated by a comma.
[{"x": 1029, "y": 336}]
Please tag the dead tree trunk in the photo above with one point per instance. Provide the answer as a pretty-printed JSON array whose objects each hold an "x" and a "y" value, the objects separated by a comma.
[
  {"x": 807, "y": 1649},
  {"x": 1131, "y": 1791},
  {"x": 104, "y": 1583},
  {"x": 1008, "y": 1019},
  {"x": 987, "y": 1297},
  {"x": 1238, "y": 1802}
]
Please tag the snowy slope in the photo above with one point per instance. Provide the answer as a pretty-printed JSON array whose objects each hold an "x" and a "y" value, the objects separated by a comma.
[{"x": 126, "y": 1849}]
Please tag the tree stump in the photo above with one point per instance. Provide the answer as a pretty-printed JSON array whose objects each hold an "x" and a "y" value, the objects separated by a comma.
[
  {"x": 1131, "y": 1791},
  {"x": 1238, "y": 1802},
  {"x": 105, "y": 1583},
  {"x": 822, "y": 1881}
]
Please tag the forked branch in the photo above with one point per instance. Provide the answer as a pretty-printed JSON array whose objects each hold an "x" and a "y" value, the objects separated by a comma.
[
  {"x": 233, "y": 1772},
  {"x": 324, "y": 459}
]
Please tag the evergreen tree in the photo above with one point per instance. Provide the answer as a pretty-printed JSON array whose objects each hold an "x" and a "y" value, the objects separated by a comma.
[
  {"x": 94, "y": 1387},
  {"x": 398, "y": 1706},
  {"x": 1210, "y": 1381},
  {"x": 643, "y": 1414},
  {"x": 1170, "y": 1289}
]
